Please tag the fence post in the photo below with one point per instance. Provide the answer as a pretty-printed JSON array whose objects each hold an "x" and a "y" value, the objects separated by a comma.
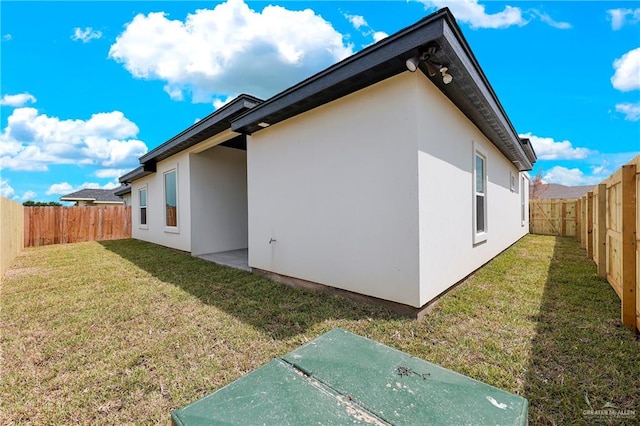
[
  {"x": 579, "y": 220},
  {"x": 585, "y": 226},
  {"x": 602, "y": 230},
  {"x": 628, "y": 296},
  {"x": 590, "y": 224}
]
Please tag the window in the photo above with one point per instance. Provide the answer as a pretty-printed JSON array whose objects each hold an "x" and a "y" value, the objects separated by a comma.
[
  {"x": 171, "y": 198},
  {"x": 480, "y": 197},
  {"x": 514, "y": 181},
  {"x": 523, "y": 200},
  {"x": 142, "y": 194}
]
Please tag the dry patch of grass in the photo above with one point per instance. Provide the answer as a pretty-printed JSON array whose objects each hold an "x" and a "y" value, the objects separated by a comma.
[{"x": 125, "y": 331}]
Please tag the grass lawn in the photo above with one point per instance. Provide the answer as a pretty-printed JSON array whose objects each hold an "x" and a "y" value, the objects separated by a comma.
[{"x": 125, "y": 331}]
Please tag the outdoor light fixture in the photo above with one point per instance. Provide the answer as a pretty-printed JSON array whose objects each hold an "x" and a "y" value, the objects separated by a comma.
[
  {"x": 412, "y": 64},
  {"x": 263, "y": 124},
  {"x": 432, "y": 66},
  {"x": 446, "y": 77}
]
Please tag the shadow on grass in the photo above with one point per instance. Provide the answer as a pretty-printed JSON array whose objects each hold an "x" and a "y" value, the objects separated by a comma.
[
  {"x": 277, "y": 309},
  {"x": 584, "y": 367}
]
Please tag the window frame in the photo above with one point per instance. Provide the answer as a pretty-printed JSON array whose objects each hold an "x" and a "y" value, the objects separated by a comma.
[
  {"x": 479, "y": 236},
  {"x": 144, "y": 225},
  {"x": 523, "y": 200},
  {"x": 170, "y": 228}
]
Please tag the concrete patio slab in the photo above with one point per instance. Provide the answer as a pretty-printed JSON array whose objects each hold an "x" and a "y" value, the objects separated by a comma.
[{"x": 238, "y": 259}]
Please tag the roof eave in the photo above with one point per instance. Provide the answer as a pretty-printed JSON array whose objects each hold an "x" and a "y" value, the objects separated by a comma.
[
  {"x": 123, "y": 191},
  {"x": 76, "y": 199},
  {"x": 472, "y": 93},
  {"x": 137, "y": 173},
  {"x": 384, "y": 59},
  {"x": 470, "y": 90},
  {"x": 201, "y": 130}
]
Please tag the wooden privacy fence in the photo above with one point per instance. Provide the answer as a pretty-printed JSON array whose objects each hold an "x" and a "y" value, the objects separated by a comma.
[
  {"x": 11, "y": 239},
  {"x": 606, "y": 221},
  {"x": 554, "y": 217},
  {"x": 59, "y": 225}
]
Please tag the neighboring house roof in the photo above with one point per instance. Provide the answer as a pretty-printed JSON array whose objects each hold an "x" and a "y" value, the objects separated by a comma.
[
  {"x": 470, "y": 91},
  {"x": 97, "y": 196},
  {"x": 553, "y": 190}
]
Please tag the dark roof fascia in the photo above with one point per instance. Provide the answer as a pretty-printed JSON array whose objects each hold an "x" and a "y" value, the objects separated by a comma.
[
  {"x": 198, "y": 131},
  {"x": 505, "y": 133},
  {"x": 471, "y": 91},
  {"x": 528, "y": 149},
  {"x": 123, "y": 190},
  {"x": 68, "y": 198},
  {"x": 405, "y": 43},
  {"x": 134, "y": 174}
]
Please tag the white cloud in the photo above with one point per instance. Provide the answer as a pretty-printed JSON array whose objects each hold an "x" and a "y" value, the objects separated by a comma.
[
  {"x": 550, "y": 21},
  {"x": 356, "y": 20},
  {"x": 28, "y": 195},
  {"x": 85, "y": 35},
  {"x": 6, "y": 190},
  {"x": 220, "y": 102},
  {"x": 569, "y": 177},
  {"x": 228, "y": 49},
  {"x": 64, "y": 188},
  {"x": 627, "y": 75},
  {"x": 549, "y": 149},
  {"x": 175, "y": 93},
  {"x": 620, "y": 17},
  {"x": 360, "y": 24},
  {"x": 110, "y": 173},
  {"x": 474, "y": 14},
  {"x": 31, "y": 141},
  {"x": 379, "y": 35},
  {"x": 17, "y": 100},
  {"x": 7, "y": 37},
  {"x": 594, "y": 169},
  {"x": 631, "y": 111},
  {"x": 60, "y": 189}
]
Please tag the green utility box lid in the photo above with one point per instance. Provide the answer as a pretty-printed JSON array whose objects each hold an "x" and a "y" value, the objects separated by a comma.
[{"x": 341, "y": 378}]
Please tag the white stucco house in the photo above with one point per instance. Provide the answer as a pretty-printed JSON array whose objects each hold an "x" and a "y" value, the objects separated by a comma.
[{"x": 390, "y": 175}]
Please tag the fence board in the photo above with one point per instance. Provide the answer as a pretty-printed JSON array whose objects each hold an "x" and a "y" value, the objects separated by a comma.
[
  {"x": 60, "y": 225},
  {"x": 614, "y": 233},
  {"x": 628, "y": 214},
  {"x": 637, "y": 163},
  {"x": 11, "y": 240}
]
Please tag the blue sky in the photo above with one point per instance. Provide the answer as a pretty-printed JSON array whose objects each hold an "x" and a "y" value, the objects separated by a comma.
[{"x": 88, "y": 87}]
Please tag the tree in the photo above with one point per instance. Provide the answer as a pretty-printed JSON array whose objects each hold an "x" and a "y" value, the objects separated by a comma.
[
  {"x": 41, "y": 204},
  {"x": 537, "y": 187}
]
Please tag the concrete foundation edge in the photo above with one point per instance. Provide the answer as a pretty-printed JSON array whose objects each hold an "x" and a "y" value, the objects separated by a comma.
[{"x": 398, "y": 308}]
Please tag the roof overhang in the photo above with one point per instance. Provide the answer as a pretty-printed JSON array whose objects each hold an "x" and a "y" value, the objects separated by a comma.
[
  {"x": 470, "y": 90},
  {"x": 210, "y": 126},
  {"x": 528, "y": 149},
  {"x": 76, "y": 199},
  {"x": 123, "y": 191},
  {"x": 134, "y": 174}
]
